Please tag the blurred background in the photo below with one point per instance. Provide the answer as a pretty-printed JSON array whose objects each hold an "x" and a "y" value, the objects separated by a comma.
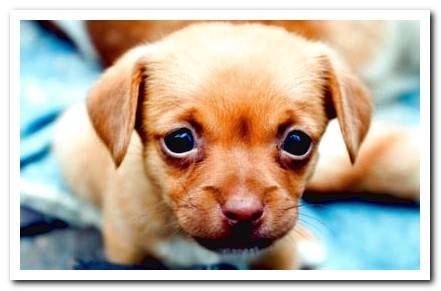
[{"x": 58, "y": 65}]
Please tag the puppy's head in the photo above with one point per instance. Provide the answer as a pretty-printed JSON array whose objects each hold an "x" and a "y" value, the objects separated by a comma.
[{"x": 231, "y": 118}]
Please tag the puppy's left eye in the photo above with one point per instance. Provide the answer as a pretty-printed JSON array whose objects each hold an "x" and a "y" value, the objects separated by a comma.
[
  {"x": 297, "y": 143},
  {"x": 180, "y": 141}
]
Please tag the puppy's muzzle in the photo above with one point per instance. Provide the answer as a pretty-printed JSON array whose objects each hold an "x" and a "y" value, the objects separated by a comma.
[{"x": 243, "y": 214}]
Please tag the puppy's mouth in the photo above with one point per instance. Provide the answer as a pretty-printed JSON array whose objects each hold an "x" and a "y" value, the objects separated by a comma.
[{"x": 234, "y": 246}]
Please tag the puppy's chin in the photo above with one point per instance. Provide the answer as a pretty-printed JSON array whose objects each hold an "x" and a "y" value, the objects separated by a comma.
[{"x": 239, "y": 241}]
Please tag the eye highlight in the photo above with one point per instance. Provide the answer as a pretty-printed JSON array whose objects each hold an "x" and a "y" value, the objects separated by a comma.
[
  {"x": 297, "y": 143},
  {"x": 179, "y": 142}
]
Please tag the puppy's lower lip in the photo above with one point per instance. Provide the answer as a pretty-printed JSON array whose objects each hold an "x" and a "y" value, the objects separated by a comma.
[
  {"x": 233, "y": 247},
  {"x": 247, "y": 251}
]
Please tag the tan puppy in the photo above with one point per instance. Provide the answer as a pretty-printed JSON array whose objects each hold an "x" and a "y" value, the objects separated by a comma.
[{"x": 213, "y": 134}]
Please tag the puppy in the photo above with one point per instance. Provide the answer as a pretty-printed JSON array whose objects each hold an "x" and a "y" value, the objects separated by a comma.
[{"x": 199, "y": 146}]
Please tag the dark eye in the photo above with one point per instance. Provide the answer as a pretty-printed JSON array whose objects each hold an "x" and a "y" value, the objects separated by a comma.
[
  {"x": 297, "y": 143},
  {"x": 180, "y": 141}
]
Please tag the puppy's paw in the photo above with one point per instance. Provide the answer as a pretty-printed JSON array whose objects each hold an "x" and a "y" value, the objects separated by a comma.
[{"x": 311, "y": 251}]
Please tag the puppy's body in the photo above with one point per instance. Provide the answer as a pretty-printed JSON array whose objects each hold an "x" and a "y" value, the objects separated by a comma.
[{"x": 240, "y": 89}]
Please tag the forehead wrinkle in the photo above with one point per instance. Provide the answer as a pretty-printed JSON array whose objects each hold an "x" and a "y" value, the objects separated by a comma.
[
  {"x": 243, "y": 127},
  {"x": 246, "y": 114}
]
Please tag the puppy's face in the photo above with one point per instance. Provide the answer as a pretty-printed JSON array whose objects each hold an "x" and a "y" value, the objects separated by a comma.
[{"x": 231, "y": 118}]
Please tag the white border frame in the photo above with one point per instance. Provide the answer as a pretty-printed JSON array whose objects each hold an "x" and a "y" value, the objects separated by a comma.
[{"x": 172, "y": 275}]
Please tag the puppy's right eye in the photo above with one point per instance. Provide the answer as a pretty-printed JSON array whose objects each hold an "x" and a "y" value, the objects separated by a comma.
[
  {"x": 180, "y": 141},
  {"x": 297, "y": 143}
]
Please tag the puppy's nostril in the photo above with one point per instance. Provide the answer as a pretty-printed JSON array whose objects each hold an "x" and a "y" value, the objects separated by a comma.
[
  {"x": 258, "y": 214},
  {"x": 243, "y": 209},
  {"x": 231, "y": 215}
]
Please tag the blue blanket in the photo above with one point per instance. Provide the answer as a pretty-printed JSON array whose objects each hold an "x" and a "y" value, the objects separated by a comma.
[{"x": 53, "y": 75}]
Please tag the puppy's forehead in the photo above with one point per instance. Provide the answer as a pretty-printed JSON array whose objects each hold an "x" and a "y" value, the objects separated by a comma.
[
  {"x": 194, "y": 53},
  {"x": 247, "y": 77}
]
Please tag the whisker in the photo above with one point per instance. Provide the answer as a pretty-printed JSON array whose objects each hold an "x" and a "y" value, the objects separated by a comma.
[
  {"x": 316, "y": 219},
  {"x": 313, "y": 227}
]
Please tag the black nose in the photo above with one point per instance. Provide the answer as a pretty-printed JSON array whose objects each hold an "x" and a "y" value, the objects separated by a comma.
[{"x": 243, "y": 208}]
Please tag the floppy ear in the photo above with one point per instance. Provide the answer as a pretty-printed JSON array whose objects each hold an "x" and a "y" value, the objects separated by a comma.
[
  {"x": 347, "y": 99},
  {"x": 113, "y": 102}
]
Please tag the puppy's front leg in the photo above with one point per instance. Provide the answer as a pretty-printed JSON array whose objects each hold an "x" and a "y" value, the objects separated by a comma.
[
  {"x": 117, "y": 250},
  {"x": 119, "y": 243}
]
